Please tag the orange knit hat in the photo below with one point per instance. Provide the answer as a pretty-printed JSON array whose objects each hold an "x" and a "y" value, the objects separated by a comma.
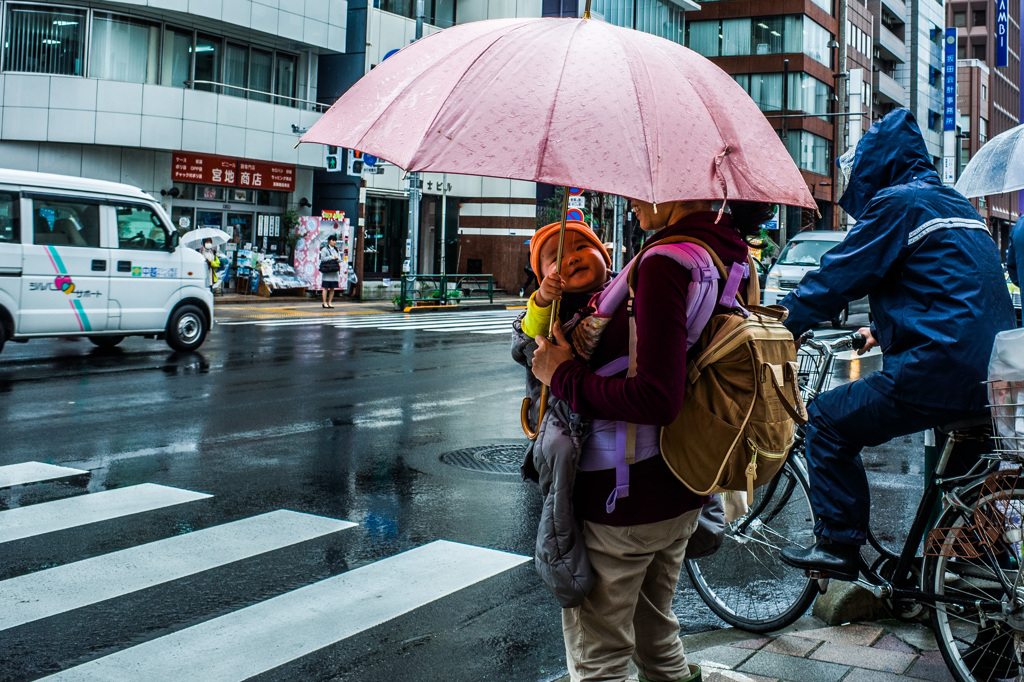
[{"x": 548, "y": 231}]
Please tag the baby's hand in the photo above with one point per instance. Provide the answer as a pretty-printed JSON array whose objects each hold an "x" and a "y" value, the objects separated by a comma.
[{"x": 550, "y": 290}]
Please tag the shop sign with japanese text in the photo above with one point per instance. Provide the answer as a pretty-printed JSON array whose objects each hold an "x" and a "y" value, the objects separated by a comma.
[
  {"x": 210, "y": 169},
  {"x": 949, "y": 81},
  {"x": 203, "y": 168}
]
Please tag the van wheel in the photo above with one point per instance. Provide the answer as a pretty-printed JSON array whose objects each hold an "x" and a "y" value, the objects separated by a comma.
[
  {"x": 187, "y": 328},
  {"x": 106, "y": 341}
]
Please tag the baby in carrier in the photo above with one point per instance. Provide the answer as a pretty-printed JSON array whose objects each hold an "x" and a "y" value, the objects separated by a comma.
[{"x": 553, "y": 457}]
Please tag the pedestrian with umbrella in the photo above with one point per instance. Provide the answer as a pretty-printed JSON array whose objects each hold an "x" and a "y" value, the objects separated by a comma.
[
  {"x": 206, "y": 240},
  {"x": 514, "y": 99}
]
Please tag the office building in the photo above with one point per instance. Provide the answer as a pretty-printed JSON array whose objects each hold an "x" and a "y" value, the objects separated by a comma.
[{"x": 199, "y": 103}]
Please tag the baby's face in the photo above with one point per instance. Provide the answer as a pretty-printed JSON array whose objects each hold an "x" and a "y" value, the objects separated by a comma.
[{"x": 583, "y": 267}]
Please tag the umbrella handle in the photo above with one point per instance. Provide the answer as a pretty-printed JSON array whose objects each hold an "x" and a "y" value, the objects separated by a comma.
[{"x": 524, "y": 413}]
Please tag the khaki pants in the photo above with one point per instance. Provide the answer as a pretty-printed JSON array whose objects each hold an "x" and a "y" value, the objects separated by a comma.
[{"x": 629, "y": 614}]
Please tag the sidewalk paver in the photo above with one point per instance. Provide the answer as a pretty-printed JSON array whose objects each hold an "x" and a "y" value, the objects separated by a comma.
[
  {"x": 864, "y": 657},
  {"x": 793, "y": 668}
]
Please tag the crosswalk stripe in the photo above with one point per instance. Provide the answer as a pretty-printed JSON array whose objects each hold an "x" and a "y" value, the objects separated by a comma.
[
  {"x": 48, "y": 517},
  {"x": 56, "y": 590},
  {"x": 264, "y": 636},
  {"x": 447, "y": 324},
  {"x": 34, "y": 472}
]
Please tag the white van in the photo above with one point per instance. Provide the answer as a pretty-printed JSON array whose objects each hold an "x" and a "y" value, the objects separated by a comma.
[
  {"x": 98, "y": 259},
  {"x": 800, "y": 256}
]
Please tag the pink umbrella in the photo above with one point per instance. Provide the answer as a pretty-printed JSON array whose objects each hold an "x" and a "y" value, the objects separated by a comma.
[{"x": 567, "y": 102}]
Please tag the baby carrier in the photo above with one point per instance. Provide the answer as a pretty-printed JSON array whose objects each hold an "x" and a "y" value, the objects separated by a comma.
[{"x": 736, "y": 423}]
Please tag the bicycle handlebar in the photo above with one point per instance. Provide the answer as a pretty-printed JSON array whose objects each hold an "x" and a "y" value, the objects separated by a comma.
[{"x": 853, "y": 341}]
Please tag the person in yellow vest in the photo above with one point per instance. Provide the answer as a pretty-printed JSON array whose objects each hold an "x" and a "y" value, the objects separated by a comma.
[{"x": 212, "y": 262}]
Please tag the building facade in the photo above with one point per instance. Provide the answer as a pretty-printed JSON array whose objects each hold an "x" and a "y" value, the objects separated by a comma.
[
  {"x": 784, "y": 55},
  {"x": 988, "y": 96},
  {"x": 199, "y": 103}
]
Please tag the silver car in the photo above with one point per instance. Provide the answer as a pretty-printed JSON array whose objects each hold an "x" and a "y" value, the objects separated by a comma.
[{"x": 801, "y": 255}]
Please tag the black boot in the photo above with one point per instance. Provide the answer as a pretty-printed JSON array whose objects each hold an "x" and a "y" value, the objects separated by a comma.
[{"x": 838, "y": 560}]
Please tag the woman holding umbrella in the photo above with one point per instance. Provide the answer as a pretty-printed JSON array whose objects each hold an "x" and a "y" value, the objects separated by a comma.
[{"x": 637, "y": 549}]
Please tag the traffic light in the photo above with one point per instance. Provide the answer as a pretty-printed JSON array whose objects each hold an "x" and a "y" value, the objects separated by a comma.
[
  {"x": 355, "y": 162},
  {"x": 333, "y": 159}
]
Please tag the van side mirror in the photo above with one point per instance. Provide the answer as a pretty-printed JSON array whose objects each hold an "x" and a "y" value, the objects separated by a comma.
[{"x": 172, "y": 241}]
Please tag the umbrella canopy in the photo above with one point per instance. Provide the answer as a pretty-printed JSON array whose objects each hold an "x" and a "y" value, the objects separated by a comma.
[
  {"x": 997, "y": 167},
  {"x": 195, "y": 238},
  {"x": 574, "y": 102}
]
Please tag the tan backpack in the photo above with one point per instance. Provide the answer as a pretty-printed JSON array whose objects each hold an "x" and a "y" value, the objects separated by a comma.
[{"x": 737, "y": 422}]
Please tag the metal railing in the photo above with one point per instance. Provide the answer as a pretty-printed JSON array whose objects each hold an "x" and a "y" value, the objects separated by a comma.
[
  {"x": 320, "y": 108},
  {"x": 444, "y": 289}
]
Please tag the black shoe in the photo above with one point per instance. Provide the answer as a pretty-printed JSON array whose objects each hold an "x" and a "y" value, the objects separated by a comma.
[{"x": 838, "y": 560}]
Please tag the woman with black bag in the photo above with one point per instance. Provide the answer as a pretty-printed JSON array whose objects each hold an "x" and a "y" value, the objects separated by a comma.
[{"x": 330, "y": 269}]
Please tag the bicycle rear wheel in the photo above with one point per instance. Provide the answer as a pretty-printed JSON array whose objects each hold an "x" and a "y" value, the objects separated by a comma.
[
  {"x": 744, "y": 582},
  {"x": 982, "y": 638}
]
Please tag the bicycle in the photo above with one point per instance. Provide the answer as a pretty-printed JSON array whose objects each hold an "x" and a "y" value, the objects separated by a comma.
[{"x": 969, "y": 575}]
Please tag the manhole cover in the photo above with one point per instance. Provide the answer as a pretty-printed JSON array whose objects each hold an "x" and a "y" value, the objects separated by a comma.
[{"x": 503, "y": 458}]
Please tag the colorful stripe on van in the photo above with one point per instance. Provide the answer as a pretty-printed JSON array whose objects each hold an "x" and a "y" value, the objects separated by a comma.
[{"x": 64, "y": 283}]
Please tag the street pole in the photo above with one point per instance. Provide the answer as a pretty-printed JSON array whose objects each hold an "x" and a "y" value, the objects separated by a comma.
[
  {"x": 412, "y": 249},
  {"x": 842, "y": 123},
  {"x": 444, "y": 221}
]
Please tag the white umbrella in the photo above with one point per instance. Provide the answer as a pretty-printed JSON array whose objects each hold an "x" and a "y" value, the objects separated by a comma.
[
  {"x": 195, "y": 238},
  {"x": 998, "y": 167}
]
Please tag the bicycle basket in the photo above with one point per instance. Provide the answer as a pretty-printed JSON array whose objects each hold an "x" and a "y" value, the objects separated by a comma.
[
  {"x": 811, "y": 361},
  {"x": 1006, "y": 400},
  {"x": 996, "y": 522}
]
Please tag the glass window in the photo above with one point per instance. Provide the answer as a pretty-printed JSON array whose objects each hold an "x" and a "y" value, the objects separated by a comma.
[
  {"x": 809, "y": 151},
  {"x": 766, "y": 90},
  {"x": 124, "y": 49},
  {"x": 767, "y": 37},
  {"x": 703, "y": 38},
  {"x": 236, "y": 68},
  {"x": 743, "y": 79},
  {"x": 59, "y": 222},
  {"x": 284, "y": 79},
  {"x": 978, "y": 17},
  {"x": 824, "y": 4},
  {"x": 960, "y": 19},
  {"x": 386, "y": 227},
  {"x": 735, "y": 36},
  {"x": 804, "y": 252},
  {"x": 444, "y": 13},
  {"x": 260, "y": 74},
  {"x": 139, "y": 227},
  {"x": 177, "y": 58},
  {"x": 208, "y": 51},
  {"x": 9, "y": 228},
  {"x": 816, "y": 40},
  {"x": 808, "y": 94},
  {"x": 978, "y": 51},
  {"x": 45, "y": 41}
]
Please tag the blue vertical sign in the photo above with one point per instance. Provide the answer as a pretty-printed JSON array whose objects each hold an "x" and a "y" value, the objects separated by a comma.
[
  {"x": 949, "y": 80},
  {"x": 1002, "y": 31}
]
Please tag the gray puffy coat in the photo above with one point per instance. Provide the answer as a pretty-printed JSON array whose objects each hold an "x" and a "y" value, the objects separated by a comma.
[{"x": 551, "y": 463}]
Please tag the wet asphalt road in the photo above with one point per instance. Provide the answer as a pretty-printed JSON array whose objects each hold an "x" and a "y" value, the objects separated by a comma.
[{"x": 341, "y": 423}]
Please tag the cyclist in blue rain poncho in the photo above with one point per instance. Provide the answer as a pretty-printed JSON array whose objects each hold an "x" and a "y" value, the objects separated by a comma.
[{"x": 931, "y": 271}]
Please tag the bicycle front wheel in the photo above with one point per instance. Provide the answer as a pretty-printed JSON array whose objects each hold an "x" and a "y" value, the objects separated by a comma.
[
  {"x": 981, "y": 637},
  {"x": 744, "y": 582}
]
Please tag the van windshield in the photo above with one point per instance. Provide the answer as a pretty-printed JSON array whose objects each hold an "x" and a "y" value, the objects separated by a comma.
[{"x": 806, "y": 252}]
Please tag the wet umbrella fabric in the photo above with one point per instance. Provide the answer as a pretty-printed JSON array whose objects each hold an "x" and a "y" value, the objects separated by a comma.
[
  {"x": 195, "y": 238},
  {"x": 572, "y": 102},
  {"x": 996, "y": 168}
]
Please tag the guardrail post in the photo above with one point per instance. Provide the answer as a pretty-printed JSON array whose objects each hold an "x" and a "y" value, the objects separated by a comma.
[{"x": 490, "y": 288}]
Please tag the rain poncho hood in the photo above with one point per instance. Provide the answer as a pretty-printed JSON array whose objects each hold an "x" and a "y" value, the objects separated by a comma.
[
  {"x": 891, "y": 153},
  {"x": 926, "y": 261}
]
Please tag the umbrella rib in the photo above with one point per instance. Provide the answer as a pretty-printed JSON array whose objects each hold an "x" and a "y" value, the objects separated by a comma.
[
  {"x": 704, "y": 102},
  {"x": 554, "y": 103},
  {"x": 639, "y": 106}
]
